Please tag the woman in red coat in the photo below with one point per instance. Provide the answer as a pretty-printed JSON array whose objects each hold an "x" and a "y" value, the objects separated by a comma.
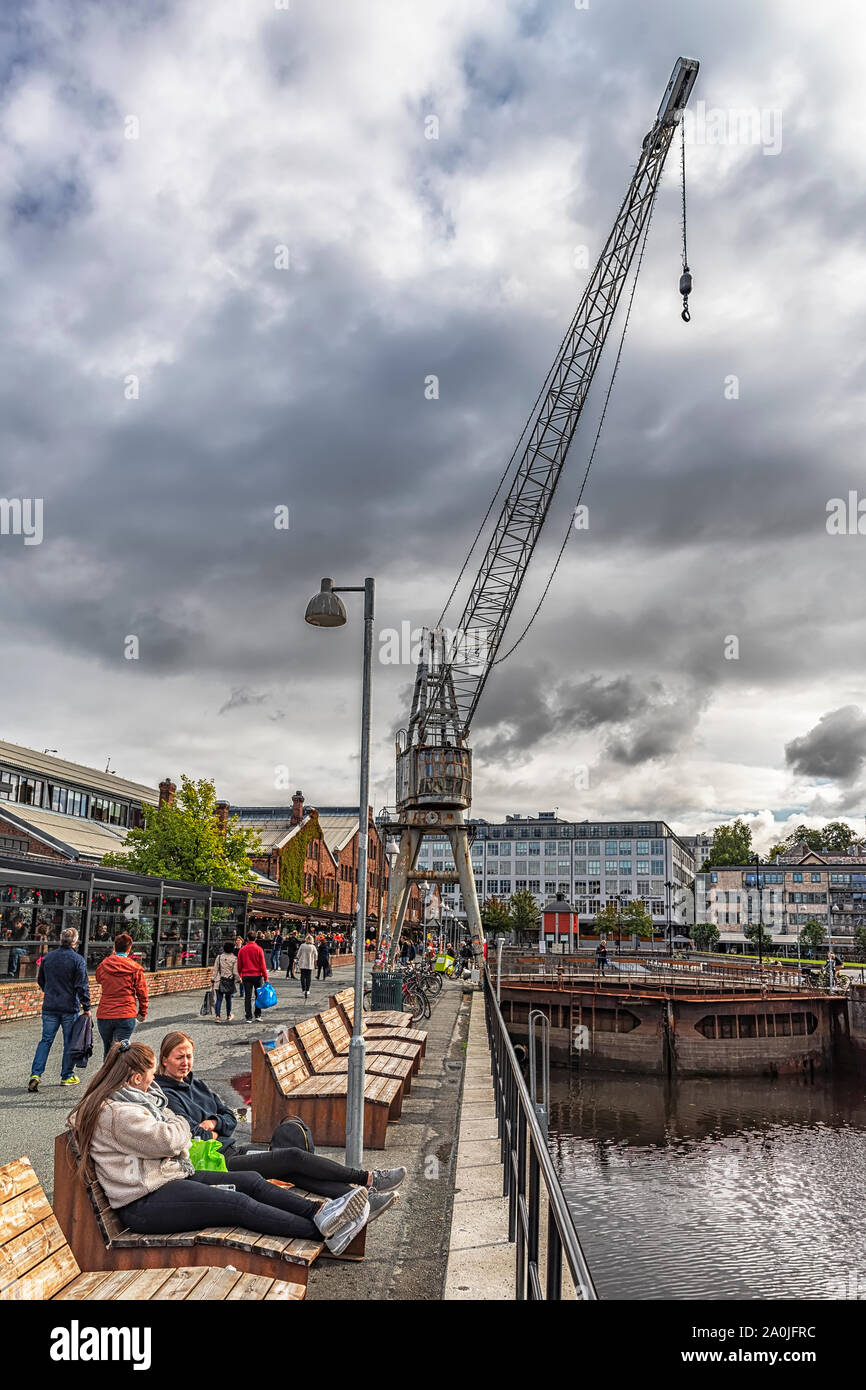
[{"x": 124, "y": 994}]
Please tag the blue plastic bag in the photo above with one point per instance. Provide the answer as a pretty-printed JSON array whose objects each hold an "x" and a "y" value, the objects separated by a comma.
[{"x": 266, "y": 996}]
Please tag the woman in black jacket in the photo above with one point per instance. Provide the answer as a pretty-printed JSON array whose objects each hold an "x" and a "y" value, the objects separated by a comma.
[{"x": 210, "y": 1118}]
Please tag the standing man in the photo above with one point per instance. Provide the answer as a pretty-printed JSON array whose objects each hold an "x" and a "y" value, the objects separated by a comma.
[
  {"x": 253, "y": 972},
  {"x": 601, "y": 955},
  {"x": 63, "y": 980},
  {"x": 293, "y": 945},
  {"x": 124, "y": 994},
  {"x": 323, "y": 959}
]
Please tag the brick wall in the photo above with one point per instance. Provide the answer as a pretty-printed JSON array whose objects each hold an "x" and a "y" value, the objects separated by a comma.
[
  {"x": 28, "y": 844},
  {"x": 25, "y": 1000}
]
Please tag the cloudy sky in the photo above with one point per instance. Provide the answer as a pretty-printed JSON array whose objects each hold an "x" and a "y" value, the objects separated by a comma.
[{"x": 232, "y": 255}]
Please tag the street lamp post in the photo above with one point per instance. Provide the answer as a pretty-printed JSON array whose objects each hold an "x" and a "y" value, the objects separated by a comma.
[
  {"x": 760, "y": 913},
  {"x": 668, "y": 887},
  {"x": 326, "y": 610}
]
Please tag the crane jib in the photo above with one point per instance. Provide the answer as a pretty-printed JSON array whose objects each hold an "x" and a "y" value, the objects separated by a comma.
[{"x": 457, "y": 687}]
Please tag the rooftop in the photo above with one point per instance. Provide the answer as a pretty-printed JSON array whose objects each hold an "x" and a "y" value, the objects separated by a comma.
[{"x": 16, "y": 758}]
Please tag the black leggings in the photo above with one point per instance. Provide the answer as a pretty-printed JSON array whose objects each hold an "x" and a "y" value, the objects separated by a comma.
[
  {"x": 306, "y": 980},
  {"x": 310, "y": 1171},
  {"x": 191, "y": 1204}
]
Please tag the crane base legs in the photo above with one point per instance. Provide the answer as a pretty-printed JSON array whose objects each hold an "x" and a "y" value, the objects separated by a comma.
[{"x": 412, "y": 832}]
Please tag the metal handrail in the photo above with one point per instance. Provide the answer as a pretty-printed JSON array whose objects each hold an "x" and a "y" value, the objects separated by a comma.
[{"x": 527, "y": 1166}]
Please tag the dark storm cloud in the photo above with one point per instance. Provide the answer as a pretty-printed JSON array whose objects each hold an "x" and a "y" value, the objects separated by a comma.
[
  {"x": 306, "y": 389},
  {"x": 835, "y": 747}
]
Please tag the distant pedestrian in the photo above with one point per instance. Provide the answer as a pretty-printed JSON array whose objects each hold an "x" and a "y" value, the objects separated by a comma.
[
  {"x": 323, "y": 959},
  {"x": 277, "y": 949},
  {"x": 225, "y": 979},
  {"x": 293, "y": 945},
  {"x": 63, "y": 979},
  {"x": 253, "y": 971},
  {"x": 601, "y": 956},
  {"x": 306, "y": 962},
  {"x": 124, "y": 994}
]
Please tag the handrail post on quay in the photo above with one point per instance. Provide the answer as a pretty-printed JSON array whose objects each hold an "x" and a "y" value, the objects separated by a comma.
[{"x": 527, "y": 1171}]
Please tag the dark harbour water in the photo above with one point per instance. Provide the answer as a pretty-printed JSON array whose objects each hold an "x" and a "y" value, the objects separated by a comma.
[{"x": 718, "y": 1189}]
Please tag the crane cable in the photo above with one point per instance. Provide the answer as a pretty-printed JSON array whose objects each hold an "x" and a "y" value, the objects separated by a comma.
[
  {"x": 537, "y": 608},
  {"x": 686, "y": 277}
]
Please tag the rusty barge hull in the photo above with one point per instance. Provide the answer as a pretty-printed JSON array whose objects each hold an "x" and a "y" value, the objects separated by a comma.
[{"x": 678, "y": 1033}]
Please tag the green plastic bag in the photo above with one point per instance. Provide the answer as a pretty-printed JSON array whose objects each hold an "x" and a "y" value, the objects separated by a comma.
[{"x": 205, "y": 1155}]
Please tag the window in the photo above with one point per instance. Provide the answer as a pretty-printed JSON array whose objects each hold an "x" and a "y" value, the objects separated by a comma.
[
  {"x": 798, "y": 878},
  {"x": 563, "y": 866},
  {"x": 8, "y": 795},
  {"x": 658, "y": 847},
  {"x": 563, "y": 889},
  {"x": 611, "y": 866},
  {"x": 549, "y": 889},
  {"x": 625, "y": 866},
  {"x": 521, "y": 847},
  {"x": 534, "y": 849},
  {"x": 643, "y": 846},
  {"x": 594, "y": 866},
  {"x": 505, "y": 885},
  {"x": 595, "y": 887},
  {"x": 437, "y": 864},
  {"x": 593, "y": 847},
  {"x": 550, "y": 847},
  {"x": 493, "y": 886},
  {"x": 643, "y": 866},
  {"x": 643, "y": 888},
  {"x": 625, "y": 847},
  {"x": 816, "y": 878},
  {"x": 29, "y": 792},
  {"x": 658, "y": 867},
  {"x": 492, "y": 849},
  {"x": 580, "y": 866},
  {"x": 658, "y": 908},
  {"x": 504, "y": 850},
  {"x": 610, "y": 846},
  {"x": 645, "y": 830},
  {"x": 564, "y": 847},
  {"x": 534, "y": 885},
  {"x": 520, "y": 885}
]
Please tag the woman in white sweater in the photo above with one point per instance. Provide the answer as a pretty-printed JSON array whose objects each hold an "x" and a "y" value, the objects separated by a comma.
[
  {"x": 139, "y": 1151},
  {"x": 306, "y": 963}
]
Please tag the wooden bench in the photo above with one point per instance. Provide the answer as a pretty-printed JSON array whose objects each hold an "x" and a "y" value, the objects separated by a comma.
[
  {"x": 321, "y": 1059},
  {"x": 100, "y": 1240},
  {"x": 282, "y": 1085},
  {"x": 339, "y": 1038},
  {"x": 376, "y": 1024},
  {"x": 37, "y": 1264}
]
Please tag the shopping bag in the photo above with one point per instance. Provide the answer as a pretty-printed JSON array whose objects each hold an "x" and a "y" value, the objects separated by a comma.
[
  {"x": 205, "y": 1155},
  {"x": 266, "y": 996},
  {"x": 207, "y": 1004}
]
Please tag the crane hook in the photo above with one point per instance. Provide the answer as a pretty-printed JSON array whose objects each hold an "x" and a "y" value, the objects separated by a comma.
[{"x": 685, "y": 291}]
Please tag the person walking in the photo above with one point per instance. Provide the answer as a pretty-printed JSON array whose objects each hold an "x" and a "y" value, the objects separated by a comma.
[
  {"x": 601, "y": 956},
  {"x": 293, "y": 945},
  {"x": 253, "y": 972},
  {"x": 323, "y": 959},
  {"x": 124, "y": 994},
  {"x": 225, "y": 978},
  {"x": 306, "y": 962},
  {"x": 63, "y": 980}
]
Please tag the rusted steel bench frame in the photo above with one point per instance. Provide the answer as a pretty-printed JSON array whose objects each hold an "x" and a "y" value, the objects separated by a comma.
[
  {"x": 99, "y": 1240},
  {"x": 321, "y": 1106},
  {"x": 314, "y": 1046},
  {"x": 38, "y": 1264}
]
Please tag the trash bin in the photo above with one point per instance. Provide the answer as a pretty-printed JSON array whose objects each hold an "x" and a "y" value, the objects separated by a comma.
[{"x": 387, "y": 991}]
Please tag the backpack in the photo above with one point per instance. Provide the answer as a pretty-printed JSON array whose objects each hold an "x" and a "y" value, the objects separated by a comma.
[{"x": 292, "y": 1133}]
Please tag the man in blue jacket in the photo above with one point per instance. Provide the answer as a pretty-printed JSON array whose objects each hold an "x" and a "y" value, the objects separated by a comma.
[{"x": 63, "y": 979}]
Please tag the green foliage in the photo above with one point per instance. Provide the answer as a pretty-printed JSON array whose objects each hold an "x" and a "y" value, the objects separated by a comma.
[
  {"x": 860, "y": 938},
  {"x": 781, "y": 847},
  {"x": 185, "y": 841},
  {"x": 758, "y": 934},
  {"x": 606, "y": 920},
  {"x": 705, "y": 936},
  {"x": 732, "y": 844},
  {"x": 525, "y": 912},
  {"x": 837, "y": 835},
  {"x": 804, "y": 833},
  {"x": 496, "y": 915},
  {"x": 812, "y": 934},
  {"x": 636, "y": 921},
  {"x": 292, "y": 862}
]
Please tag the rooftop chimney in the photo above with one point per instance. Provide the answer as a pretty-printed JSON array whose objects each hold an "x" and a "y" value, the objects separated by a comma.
[
  {"x": 222, "y": 815},
  {"x": 297, "y": 808},
  {"x": 167, "y": 790}
]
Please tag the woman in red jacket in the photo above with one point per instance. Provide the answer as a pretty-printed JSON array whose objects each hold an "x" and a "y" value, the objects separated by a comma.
[
  {"x": 124, "y": 994},
  {"x": 253, "y": 972}
]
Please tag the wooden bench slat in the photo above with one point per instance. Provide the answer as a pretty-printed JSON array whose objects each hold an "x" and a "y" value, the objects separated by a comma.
[
  {"x": 146, "y": 1285},
  {"x": 19, "y": 1255},
  {"x": 82, "y": 1286},
  {"x": 28, "y": 1209},
  {"x": 282, "y": 1290},
  {"x": 249, "y": 1287},
  {"x": 45, "y": 1280},
  {"x": 217, "y": 1283},
  {"x": 16, "y": 1177},
  {"x": 180, "y": 1283}
]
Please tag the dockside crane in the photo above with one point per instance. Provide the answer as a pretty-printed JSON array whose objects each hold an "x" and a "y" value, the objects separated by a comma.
[{"x": 434, "y": 760}]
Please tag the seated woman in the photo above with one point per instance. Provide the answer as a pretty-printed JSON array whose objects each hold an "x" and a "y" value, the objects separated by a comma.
[
  {"x": 139, "y": 1151},
  {"x": 210, "y": 1118}
]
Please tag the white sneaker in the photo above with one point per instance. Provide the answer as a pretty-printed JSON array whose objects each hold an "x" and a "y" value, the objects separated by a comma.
[
  {"x": 343, "y": 1238},
  {"x": 335, "y": 1214}
]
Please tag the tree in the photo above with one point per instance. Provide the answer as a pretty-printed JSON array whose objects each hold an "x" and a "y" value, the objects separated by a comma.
[
  {"x": 185, "y": 840},
  {"x": 860, "y": 938},
  {"x": 636, "y": 921},
  {"x": 607, "y": 920},
  {"x": 496, "y": 916},
  {"x": 812, "y": 934},
  {"x": 705, "y": 936},
  {"x": 759, "y": 937},
  {"x": 781, "y": 848},
  {"x": 525, "y": 912},
  {"x": 807, "y": 835},
  {"x": 836, "y": 836},
  {"x": 732, "y": 844}
]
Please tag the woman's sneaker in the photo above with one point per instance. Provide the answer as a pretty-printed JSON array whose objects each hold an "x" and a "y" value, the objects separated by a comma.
[
  {"x": 343, "y": 1238},
  {"x": 381, "y": 1201},
  {"x": 387, "y": 1179},
  {"x": 33, "y": 1083},
  {"x": 339, "y": 1211}
]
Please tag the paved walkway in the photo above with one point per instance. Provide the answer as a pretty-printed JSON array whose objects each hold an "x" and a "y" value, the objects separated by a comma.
[
  {"x": 407, "y": 1251},
  {"x": 481, "y": 1260}
]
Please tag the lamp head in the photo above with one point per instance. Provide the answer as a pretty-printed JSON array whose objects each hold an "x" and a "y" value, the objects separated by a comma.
[{"x": 326, "y": 609}]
